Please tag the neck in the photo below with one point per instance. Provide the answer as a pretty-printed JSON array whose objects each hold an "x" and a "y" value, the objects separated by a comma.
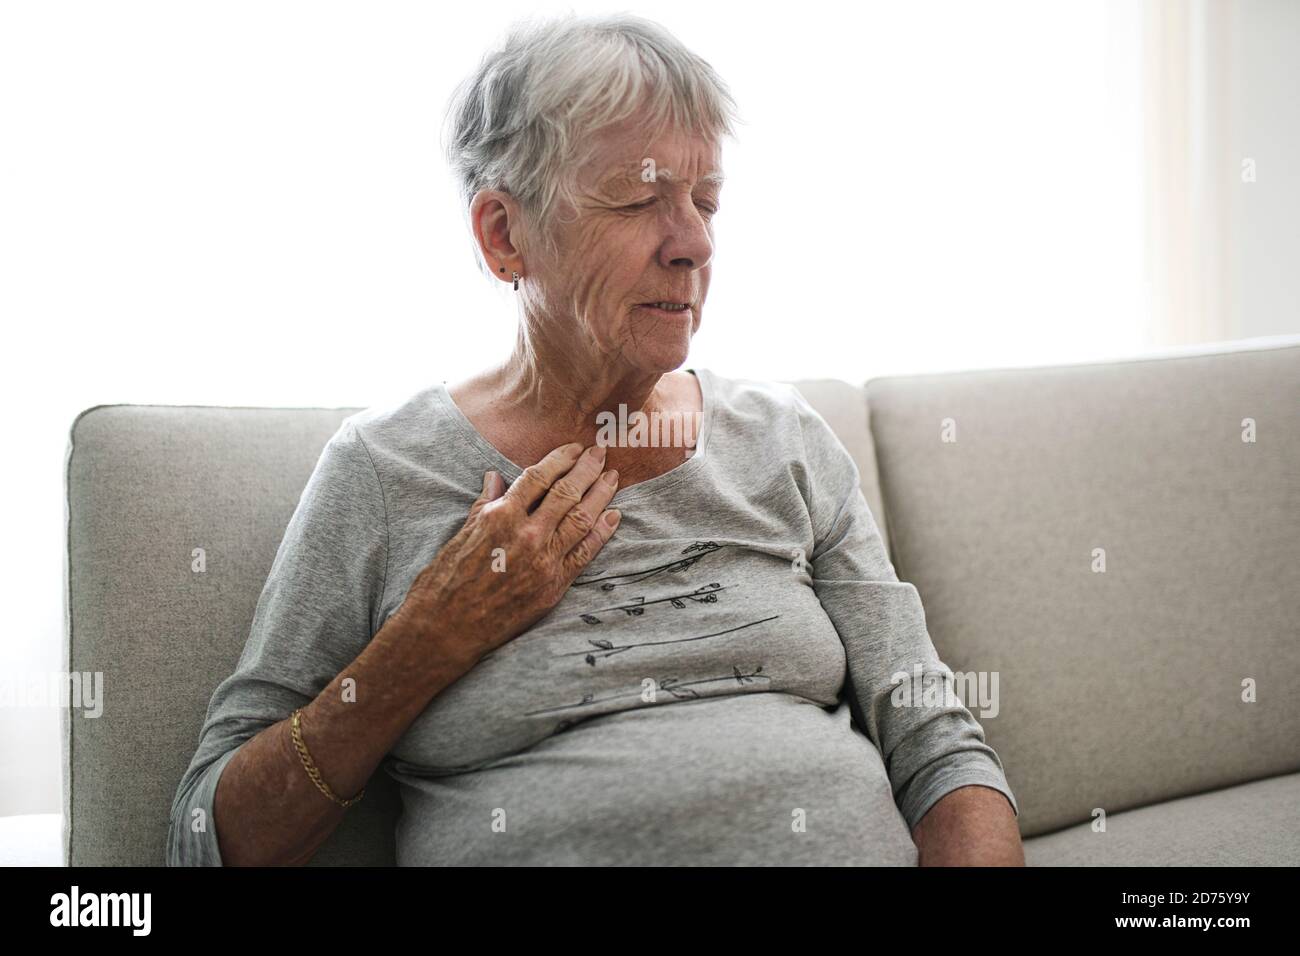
[{"x": 558, "y": 391}]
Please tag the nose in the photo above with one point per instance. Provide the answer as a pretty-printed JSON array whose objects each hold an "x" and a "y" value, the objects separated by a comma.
[{"x": 687, "y": 241}]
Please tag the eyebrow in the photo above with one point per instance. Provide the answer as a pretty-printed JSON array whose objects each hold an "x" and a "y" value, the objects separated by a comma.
[
  {"x": 708, "y": 179},
  {"x": 665, "y": 174}
]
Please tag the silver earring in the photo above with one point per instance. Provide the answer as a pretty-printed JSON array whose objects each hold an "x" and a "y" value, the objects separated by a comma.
[{"x": 516, "y": 275}]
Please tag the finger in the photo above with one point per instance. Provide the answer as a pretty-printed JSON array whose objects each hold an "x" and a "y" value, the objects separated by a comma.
[
  {"x": 493, "y": 488},
  {"x": 536, "y": 480},
  {"x": 567, "y": 490},
  {"x": 582, "y": 517},
  {"x": 590, "y": 546}
]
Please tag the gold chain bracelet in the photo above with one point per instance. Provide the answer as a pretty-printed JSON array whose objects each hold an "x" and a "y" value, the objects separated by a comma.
[{"x": 310, "y": 765}]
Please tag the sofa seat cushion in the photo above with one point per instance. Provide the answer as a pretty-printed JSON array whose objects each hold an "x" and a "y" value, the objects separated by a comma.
[{"x": 1251, "y": 824}]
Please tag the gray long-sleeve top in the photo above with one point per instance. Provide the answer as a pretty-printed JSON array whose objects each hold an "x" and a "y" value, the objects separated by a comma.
[{"x": 700, "y": 695}]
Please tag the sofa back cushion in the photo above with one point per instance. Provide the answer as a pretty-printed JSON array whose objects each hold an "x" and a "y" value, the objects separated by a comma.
[
  {"x": 147, "y": 485},
  {"x": 1123, "y": 686}
]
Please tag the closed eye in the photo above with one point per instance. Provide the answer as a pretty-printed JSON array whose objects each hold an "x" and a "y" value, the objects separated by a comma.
[{"x": 711, "y": 210}]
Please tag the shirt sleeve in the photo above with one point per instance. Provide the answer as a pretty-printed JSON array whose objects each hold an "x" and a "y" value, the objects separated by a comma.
[
  {"x": 316, "y": 613},
  {"x": 931, "y": 743}
]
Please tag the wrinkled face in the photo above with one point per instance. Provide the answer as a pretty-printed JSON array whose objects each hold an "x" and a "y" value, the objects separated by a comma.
[{"x": 641, "y": 234}]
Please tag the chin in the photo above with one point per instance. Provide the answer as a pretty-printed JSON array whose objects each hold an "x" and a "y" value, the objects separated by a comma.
[
  {"x": 660, "y": 357},
  {"x": 662, "y": 347}
]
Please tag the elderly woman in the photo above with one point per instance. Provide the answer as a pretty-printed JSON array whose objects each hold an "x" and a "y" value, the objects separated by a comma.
[{"x": 576, "y": 644}]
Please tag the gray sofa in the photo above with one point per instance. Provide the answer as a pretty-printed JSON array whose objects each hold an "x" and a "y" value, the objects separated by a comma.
[{"x": 1120, "y": 694}]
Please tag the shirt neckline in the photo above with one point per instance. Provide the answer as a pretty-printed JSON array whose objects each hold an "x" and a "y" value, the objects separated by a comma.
[{"x": 510, "y": 471}]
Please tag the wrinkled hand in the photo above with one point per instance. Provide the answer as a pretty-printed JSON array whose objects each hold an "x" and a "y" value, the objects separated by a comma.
[{"x": 517, "y": 553}]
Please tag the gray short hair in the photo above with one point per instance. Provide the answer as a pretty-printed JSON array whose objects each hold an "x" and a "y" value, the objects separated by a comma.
[{"x": 523, "y": 120}]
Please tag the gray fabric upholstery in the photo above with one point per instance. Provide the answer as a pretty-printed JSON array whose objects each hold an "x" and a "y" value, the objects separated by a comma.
[
  {"x": 1252, "y": 824},
  {"x": 842, "y": 405},
  {"x": 1127, "y": 456},
  {"x": 1122, "y": 688}
]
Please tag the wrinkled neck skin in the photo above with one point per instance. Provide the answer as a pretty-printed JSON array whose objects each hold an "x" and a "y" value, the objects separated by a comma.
[{"x": 554, "y": 384}]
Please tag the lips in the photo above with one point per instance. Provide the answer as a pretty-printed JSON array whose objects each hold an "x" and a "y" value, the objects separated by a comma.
[
  {"x": 686, "y": 303},
  {"x": 666, "y": 310}
]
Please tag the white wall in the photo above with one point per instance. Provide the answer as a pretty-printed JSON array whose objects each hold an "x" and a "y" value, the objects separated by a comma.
[{"x": 1266, "y": 102}]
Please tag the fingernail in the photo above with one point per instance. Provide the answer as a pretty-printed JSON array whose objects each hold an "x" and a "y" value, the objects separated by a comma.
[
  {"x": 611, "y": 517},
  {"x": 487, "y": 475},
  {"x": 611, "y": 476},
  {"x": 573, "y": 449}
]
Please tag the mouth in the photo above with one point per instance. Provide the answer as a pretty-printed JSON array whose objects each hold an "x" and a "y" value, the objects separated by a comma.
[{"x": 667, "y": 308}]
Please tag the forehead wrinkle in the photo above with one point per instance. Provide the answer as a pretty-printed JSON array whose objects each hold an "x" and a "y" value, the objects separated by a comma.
[{"x": 621, "y": 173}]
